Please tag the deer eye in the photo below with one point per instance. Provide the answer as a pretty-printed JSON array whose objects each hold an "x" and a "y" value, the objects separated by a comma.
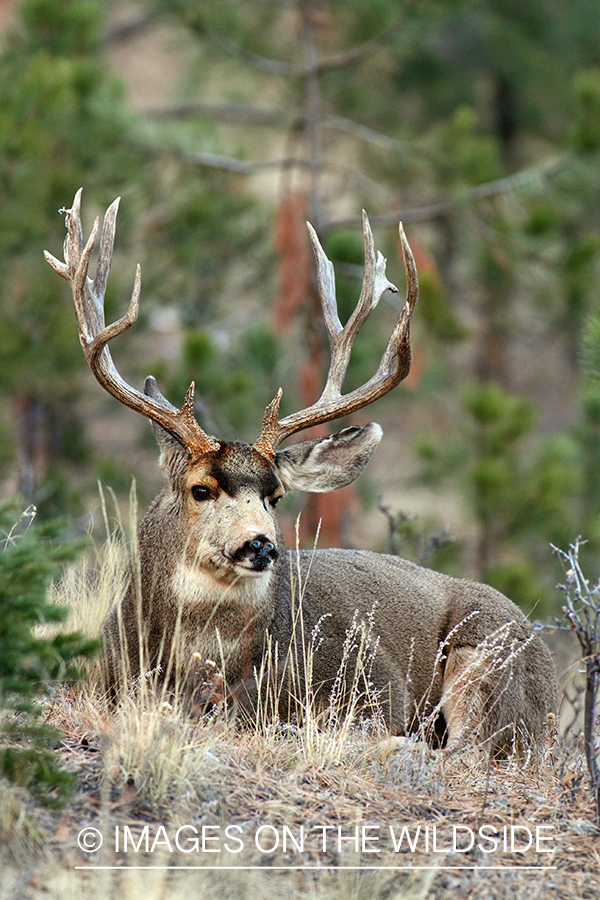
[
  {"x": 273, "y": 501},
  {"x": 200, "y": 492}
]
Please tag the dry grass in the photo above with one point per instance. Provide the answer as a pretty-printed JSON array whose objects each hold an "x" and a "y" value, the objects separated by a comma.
[{"x": 148, "y": 773}]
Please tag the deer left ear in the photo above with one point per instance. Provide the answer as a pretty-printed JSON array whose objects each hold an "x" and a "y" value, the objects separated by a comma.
[{"x": 325, "y": 464}]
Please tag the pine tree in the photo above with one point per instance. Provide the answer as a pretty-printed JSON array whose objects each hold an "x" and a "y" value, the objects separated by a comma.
[
  {"x": 30, "y": 557},
  {"x": 62, "y": 123},
  {"x": 521, "y": 498}
]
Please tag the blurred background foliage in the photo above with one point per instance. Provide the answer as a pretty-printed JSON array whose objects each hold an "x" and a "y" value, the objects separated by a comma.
[{"x": 224, "y": 125}]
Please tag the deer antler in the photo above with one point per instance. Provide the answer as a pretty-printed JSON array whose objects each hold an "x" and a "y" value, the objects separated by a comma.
[
  {"x": 395, "y": 362},
  {"x": 94, "y": 334}
]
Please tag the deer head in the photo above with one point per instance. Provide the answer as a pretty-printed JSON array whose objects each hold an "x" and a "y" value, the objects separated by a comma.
[{"x": 225, "y": 492}]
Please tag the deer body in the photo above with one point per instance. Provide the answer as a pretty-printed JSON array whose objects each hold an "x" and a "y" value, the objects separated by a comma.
[
  {"x": 431, "y": 629},
  {"x": 208, "y": 602},
  {"x": 214, "y": 590}
]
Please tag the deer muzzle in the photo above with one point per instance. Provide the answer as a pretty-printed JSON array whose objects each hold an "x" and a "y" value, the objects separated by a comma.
[{"x": 258, "y": 554}]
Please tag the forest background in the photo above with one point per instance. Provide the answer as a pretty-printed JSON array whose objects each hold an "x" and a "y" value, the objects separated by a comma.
[{"x": 224, "y": 126}]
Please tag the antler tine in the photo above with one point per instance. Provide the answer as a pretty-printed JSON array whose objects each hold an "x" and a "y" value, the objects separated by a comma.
[
  {"x": 395, "y": 362},
  {"x": 94, "y": 334},
  {"x": 373, "y": 286}
]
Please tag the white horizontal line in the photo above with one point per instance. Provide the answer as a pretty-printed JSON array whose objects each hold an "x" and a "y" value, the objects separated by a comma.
[{"x": 336, "y": 868}]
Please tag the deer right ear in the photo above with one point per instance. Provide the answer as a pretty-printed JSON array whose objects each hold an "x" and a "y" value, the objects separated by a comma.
[
  {"x": 327, "y": 463},
  {"x": 173, "y": 455}
]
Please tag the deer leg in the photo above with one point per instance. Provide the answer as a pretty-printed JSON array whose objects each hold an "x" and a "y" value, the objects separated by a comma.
[{"x": 463, "y": 695}]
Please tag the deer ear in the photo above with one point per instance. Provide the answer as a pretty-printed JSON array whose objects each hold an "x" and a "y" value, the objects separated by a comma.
[
  {"x": 173, "y": 455},
  {"x": 327, "y": 463}
]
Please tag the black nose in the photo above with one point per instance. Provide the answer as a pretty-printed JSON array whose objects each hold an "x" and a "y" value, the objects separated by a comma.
[{"x": 260, "y": 552}]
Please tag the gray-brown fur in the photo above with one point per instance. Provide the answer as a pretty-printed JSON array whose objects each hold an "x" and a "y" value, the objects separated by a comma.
[
  {"x": 421, "y": 619},
  {"x": 426, "y": 626}
]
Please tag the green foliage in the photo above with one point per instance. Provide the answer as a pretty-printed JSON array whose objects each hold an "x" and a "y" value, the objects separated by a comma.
[
  {"x": 435, "y": 309},
  {"x": 579, "y": 279},
  {"x": 465, "y": 153},
  {"x": 586, "y": 128},
  {"x": 519, "y": 579},
  {"x": 31, "y": 657},
  {"x": 591, "y": 356},
  {"x": 191, "y": 248},
  {"x": 517, "y": 58},
  {"x": 521, "y": 498},
  {"x": 589, "y": 438}
]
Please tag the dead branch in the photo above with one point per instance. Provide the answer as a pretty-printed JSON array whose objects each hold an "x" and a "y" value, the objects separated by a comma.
[
  {"x": 525, "y": 178},
  {"x": 582, "y": 614}
]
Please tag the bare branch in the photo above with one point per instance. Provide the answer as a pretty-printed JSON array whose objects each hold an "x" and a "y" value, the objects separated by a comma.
[
  {"x": 536, "y": 175},
  {"x": 361, "y": 132},
  {"x": 250, "y": 167},
  {"x": 235, "y": 113},
  {"x": 224, "y": 163},
  {"x": 526, "y": 179},
  {"x": 130, "y": 29},
  {"x": 582, "y": 612},
  {"x": 356, "y": 54},
  {"x": 317, "y": 67},
  {"x": 270, "y": 117},
  {"x": 261, "y": 63}
]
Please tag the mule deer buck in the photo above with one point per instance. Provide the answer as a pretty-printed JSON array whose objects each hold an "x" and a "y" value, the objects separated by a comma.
[{"x": 214, "y": 586}]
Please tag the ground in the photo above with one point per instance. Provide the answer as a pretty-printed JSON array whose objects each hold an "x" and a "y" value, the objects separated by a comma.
[
  {"x": 188, "y": 808},
  {"x": 195, "y": 807}
]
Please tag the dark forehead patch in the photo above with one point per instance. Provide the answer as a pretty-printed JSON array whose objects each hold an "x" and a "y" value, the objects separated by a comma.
[{"x": 235, "y": 466}]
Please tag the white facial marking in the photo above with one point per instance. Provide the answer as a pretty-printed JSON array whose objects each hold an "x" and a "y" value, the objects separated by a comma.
[{"x": 197, "y": 586}]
